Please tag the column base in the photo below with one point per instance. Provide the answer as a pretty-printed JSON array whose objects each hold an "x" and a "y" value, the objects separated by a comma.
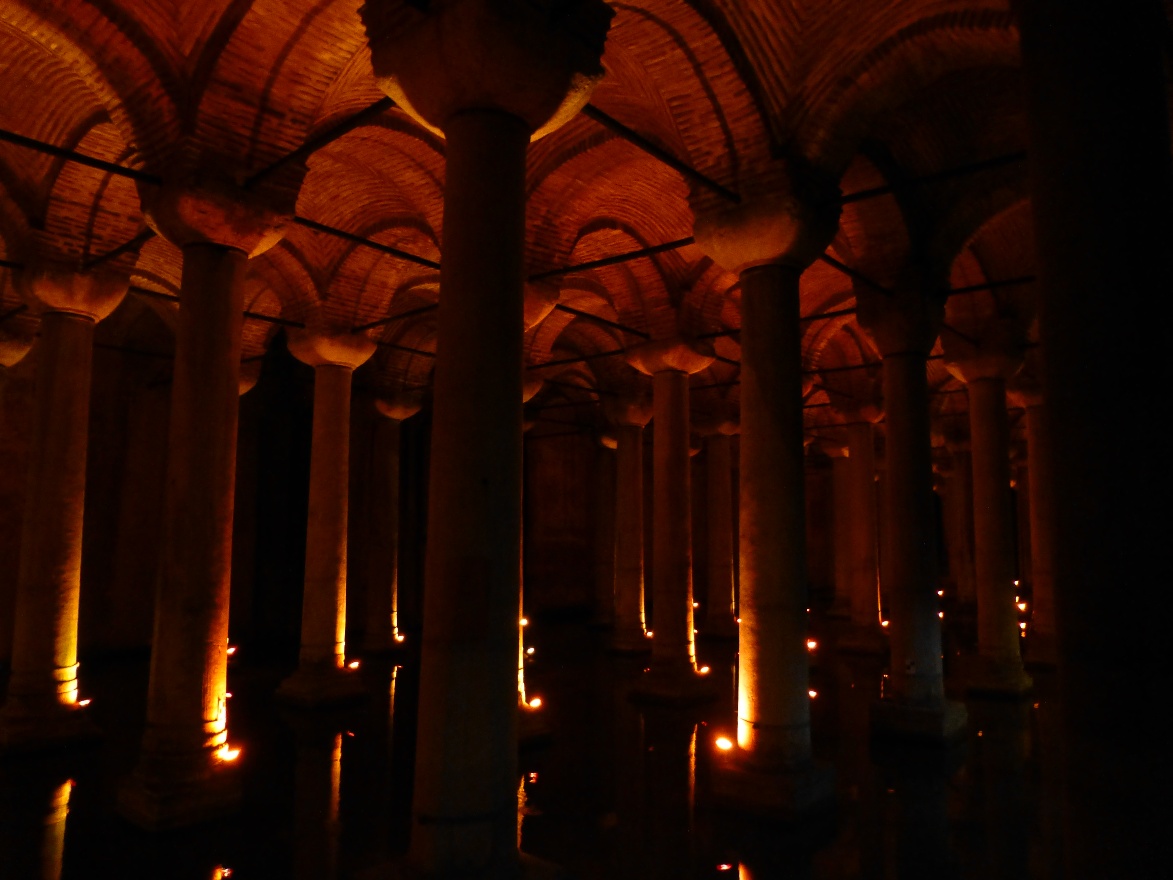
[
  {"x": 162, "y": 803},
  {"x": 630, "y": 642},
  {"x": 677, "y": 686},
  {"x": 533, "y": 727},
  {"x": 1002, "y": 678},
  {"x": 311, "y": 688},
  {"x": 894, "y": 720},
  {"x": 857, "y": 639},
  {"x": 785, "y": 792},
  {"x": 527, "y": 868},
  {"x": 1042, "y": 651},
  {"x": 56, "y": 727}
]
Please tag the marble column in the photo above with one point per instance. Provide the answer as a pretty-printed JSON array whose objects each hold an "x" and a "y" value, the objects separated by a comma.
[
  {"x": 1101, "y": 187},
  {"x": 42, "y": 708},
  {"x": 904, "y": 326},
  {"x": 863, "y": 633},
  {"x": 721, "y": 613},
  {"x": 491, "y": 79},
  {"x": 604, "y": 532},
  {"x": 323, "y": 676},
  {"x": 673, "y": 676},
  {"x": 840, "y": 526},
  {"x": 186, "y": 771},
  {"x": 1041, "y": 642},
  {"x": 382, "y": 613},
  {"x": 629, "y": 419},
  {"x": 768, "y": 242},
  {"x": 998, "y": 666},
  {"x": 958, "y": 506}
]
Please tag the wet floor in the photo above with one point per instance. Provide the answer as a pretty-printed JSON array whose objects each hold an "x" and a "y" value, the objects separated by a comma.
[{"x": 615, "y": 791}]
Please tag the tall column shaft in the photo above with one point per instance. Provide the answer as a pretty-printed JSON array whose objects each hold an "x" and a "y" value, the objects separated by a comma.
[
  {"x": 721, "y": 613},
  {"x": 959, "y": 502},
  {"x": 673, "y": 647},
  {"x": 180, "y": 778},
  {"x": 773, "y": 707},
  {"x": 1098, "y": 114},
  {"x": 915, "y": 630},
  {"x": 860, "y": 464},
  {"x": 604, "y": 536},
  {"x": 43, "y": 684},
  {"x": 840, "y": 525},
  {"x": 323, "y": 615},
  {"x": 382, "y": 624},
  {"x": 629, "y": 539},
  {"x": 998, "y": 640},
  {"x": 465, "y": 780},
  {"x": 1042, "y": 524}
]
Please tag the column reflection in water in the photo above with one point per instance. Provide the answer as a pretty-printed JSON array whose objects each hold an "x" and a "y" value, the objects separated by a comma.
[
  {"x": 999, "y": 767},
  {"x": 923, "y": 850},
  {"x": 317, "y": 780},
  {"x": 33, "y": 809},
  {"x": 670, "y": 794}
]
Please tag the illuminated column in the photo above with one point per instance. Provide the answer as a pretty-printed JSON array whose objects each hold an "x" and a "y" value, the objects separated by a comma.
[
  {"x": 904, "y": 326},
  {"x": 863, "y": 633},
  {"x": 34, "y": 808},
  {"x": 958, "y": 510},
  {"x": 322, "y": 675},
  {"x": 673, "y": 674},
  {"x": 184, "y": 774},
  {"x": 1041, "y": 645},
  {"x": 721, "y": 614},
  {"x": 768, "y": 243},
  {"x": 491, "y": 77},
  {"x": 604, "y": 532},
  {"x": 382, "y": 611},
  {"x": 998, "y": 667},
  {"x": 42, "y": 705},
  {"x": 316, "y": 796},
  {"x": 629, "y": 418}
]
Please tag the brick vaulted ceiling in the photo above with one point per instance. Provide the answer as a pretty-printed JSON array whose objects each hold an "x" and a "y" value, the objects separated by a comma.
[{"x": 871, "y": 92}]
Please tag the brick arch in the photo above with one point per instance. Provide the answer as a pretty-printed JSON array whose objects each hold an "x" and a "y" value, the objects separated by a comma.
[
  {"x": 840, "y": 101},
  {"x": 131, "y": 68}
]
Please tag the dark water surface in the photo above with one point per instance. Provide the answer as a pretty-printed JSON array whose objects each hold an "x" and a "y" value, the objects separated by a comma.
[{"x": 617, "y": 790}]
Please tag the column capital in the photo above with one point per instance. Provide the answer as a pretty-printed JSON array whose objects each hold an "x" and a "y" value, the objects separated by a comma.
[
  {"x": 13, "y": 349},
  {"x": 904, "y": 321},
  {"x": 997, "y": 353},
  {"x": 628, "y": 411},
  {"x": 539, "y": 299},
  {"x": 663, "y": 355},
  {"x": 790, "y": 224},
  {"x": 537, "y": 60},
  {"x": 49, "y": 286},
  {"x": 716, "y": 427},
  {"x": 398, "y": 406},
  {"x": 199, "y": 207},
  {"x": 530, "y": 386},
  {"x": 322, "y": 348},
  {"x": 250, "y": 373}
]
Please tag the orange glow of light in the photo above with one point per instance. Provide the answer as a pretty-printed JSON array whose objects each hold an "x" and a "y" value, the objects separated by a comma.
[
  {"x": 399, "y": 637},
  {"x": 231, "y": 650},
  {"x": 1022, "y": 625},
  {"x": 1016, "y": 583},
  {"x": 221, "y": 873},
  {"x": 883, "y": 623},
  {"x": 813, "y": 693},
  {"x": 811, "y": 644},
  {"x": 227, "y": 753},
  {"x": 724, "y": 743},
  {"x": 940, "y": 592},
  {"x": 85, "y": 702},
  {"x": 535, "y": 703},
  {"x": 647, "y": 634},
  {"x": 1021, "y": 606},
  {"x": 532, "y": 777},
  {"x": 228, "y": 694},
  {"x": 353, "y": 664},
  {"x": 704, "y": 670},
  {"x": 524, "y": 621},
  {"x": 739, "y": 620},
  {"x": 724, "y": 867},
  {"x": 941, "y": 614},
  {"x": 696, "y": 604},
  {"x": 529, "y": 650},
  {"x": 979, "y": 733}
]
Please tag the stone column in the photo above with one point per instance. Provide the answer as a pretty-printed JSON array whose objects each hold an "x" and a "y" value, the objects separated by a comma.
[
  {"x": 42, "y": 707},
  {"x": 840, "y": 526},
  {"x": 185, "y": 772},
  {"x": 322, "y": 674},
  {"x": 721, "y": 613},
  {"x": 382, "y": 612},
  {"x": 768, "y": 242},
  {"x": 958, "y": 503},
  {"x": 604, "y": 532},
  {"x": 904, "y": 325},
  {"x": 1020, "y": 483},
  {"x": 984, "y": 369},
  {"x": 863, "y": 633},
  {"x": 490, "y": 76},
  {"x": 629, "y": 419},
  {"x": 1041, "y": 643},
  {"x": 673, "y": 676},
  {"x": 1097, "y": 114}
]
